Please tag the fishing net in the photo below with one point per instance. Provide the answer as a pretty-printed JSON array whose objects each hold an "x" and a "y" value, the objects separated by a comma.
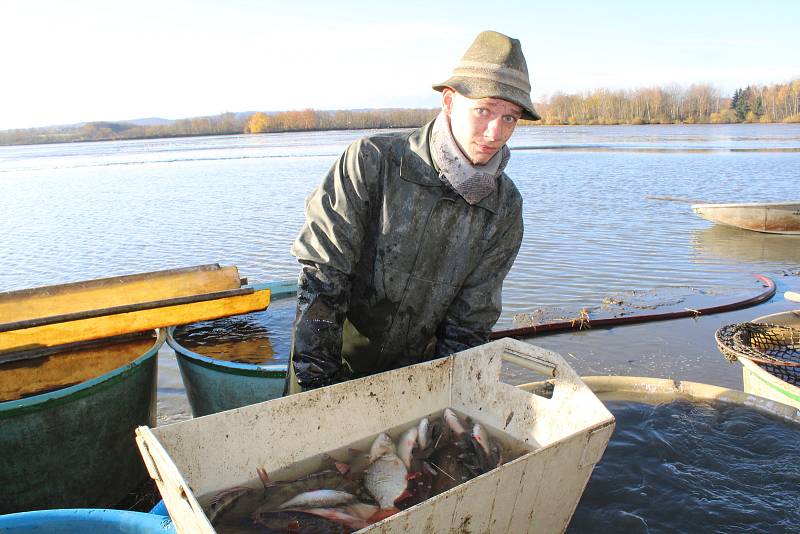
[{"x": 775, "y": 348}]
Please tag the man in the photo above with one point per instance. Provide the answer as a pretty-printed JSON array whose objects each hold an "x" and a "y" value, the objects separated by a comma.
[{"x": 409, "y": 237}]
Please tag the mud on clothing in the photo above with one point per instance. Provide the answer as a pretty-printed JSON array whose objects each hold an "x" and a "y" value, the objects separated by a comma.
[{"x": 397, "y": 268}]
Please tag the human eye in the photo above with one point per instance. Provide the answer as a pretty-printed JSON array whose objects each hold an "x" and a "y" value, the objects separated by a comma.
[
  {"x": 481, "y": 112},
  {"x": 509, "y": 119}
]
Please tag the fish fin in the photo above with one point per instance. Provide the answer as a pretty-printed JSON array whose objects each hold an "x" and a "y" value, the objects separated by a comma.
[
  {"x": 382, "y": 514},
  {"x": 414, "y": 474},
  {"x": 262, "y": 474},
  {"x": 342, "y": 467},
  {"x": 403, "y": 496}
]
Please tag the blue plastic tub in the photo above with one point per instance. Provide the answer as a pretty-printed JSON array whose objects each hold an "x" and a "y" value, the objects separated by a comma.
[{"x": 83, "y": 520}]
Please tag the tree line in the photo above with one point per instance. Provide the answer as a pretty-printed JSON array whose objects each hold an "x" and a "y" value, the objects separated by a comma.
[
  {"x": 659, "y": 105},
  {"x": 674, "y": 105}
]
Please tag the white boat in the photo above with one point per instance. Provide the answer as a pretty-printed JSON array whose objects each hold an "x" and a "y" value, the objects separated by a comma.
[{"x": 769, "y": 217}]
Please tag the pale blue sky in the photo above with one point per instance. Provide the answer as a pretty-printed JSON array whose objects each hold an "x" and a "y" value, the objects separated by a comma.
[{"x": 73, "y": 61}]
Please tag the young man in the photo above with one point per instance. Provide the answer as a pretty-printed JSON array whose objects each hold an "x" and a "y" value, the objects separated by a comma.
[{"x": 410, "y": 235}]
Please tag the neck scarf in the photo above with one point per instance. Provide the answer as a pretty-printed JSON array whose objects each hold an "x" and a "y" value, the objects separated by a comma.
[{"x": 472, "y": 182}]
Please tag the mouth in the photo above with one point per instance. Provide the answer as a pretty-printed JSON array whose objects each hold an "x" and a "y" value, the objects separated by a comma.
[{"x": 487, "y": 149}]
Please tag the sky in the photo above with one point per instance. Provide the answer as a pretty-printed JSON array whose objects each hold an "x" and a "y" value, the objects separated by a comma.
[{"x": 64, "y": 62}]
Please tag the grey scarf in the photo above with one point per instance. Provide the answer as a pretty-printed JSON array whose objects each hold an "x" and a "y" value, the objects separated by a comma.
[{"x": 472, "y": 182}]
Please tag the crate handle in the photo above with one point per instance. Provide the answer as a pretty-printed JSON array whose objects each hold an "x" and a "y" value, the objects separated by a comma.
[{"x": 527, "y": 361}]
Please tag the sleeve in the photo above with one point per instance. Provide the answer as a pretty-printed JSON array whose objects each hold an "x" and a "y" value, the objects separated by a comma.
[
  {"x": 328, "y": 248},
  {"x": 477, "y": 306}
]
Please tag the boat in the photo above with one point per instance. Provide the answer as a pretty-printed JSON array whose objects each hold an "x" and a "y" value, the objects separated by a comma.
[
  {"x": 67, "y": 423},
  {"x": 769, "y": 217},
  {"x": 757, "y": 378},
  {"x": 213, "y": 385}
]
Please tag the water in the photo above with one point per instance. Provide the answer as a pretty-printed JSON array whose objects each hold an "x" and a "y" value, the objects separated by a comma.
[
  {"x": 87, "y": 210},
  {"x": 693, "y": 467}
]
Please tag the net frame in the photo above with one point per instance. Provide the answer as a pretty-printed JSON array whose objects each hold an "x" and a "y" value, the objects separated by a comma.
[{"x": 774, "y": 348}]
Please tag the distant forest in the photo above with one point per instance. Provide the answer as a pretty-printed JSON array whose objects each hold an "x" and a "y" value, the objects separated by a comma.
[{"x": 673, "y": 105}]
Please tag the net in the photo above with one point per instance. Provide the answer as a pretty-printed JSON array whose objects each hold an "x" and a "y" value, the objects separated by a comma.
[{"x": 775, "y": 348}]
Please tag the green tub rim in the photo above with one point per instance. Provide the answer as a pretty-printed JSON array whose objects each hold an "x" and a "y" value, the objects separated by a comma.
[{"x": 14, "y": 408}]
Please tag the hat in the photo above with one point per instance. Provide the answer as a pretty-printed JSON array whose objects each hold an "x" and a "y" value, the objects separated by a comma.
[{"x": 494, "y": 67}]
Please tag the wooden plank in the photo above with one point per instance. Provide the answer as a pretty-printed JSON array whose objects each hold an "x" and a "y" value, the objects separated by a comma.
[
  {"x": 61, "y": 299},
  {"x": 49, "y": 335},
  {"x": 24, "y": 378}
]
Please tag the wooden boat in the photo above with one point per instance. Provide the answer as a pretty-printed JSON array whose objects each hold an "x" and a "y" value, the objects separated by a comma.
[
  {"x": 213, "y": 385},
  {"x": 67, "y": 424},
  {"x": 758, "y": 381},
  {"x": 769, "y": 217}
]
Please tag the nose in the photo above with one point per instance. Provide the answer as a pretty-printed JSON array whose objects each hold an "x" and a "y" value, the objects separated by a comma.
[{"x": 494, "y": 129}]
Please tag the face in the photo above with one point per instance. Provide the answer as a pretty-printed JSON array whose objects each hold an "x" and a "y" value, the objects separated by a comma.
[{"x": 480, "y": 127}]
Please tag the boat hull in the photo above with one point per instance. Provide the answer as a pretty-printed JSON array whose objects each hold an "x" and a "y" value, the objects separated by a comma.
[
  {"x": 74, "y": 447},
  {"x": 758, "y": 381},
  {"x": 214, "y": 385},
  {"x": 771, "y": 217}
]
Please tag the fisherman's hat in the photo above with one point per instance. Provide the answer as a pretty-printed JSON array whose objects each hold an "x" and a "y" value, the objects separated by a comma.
[{"x": 494, "y": 67}]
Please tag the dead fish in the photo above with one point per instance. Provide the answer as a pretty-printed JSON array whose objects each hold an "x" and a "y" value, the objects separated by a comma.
[
  {"x": 283, "y": 521},
  {"x": 488, "y": 450},
  {"x": 386, "y": 480},
  {"x": 451, "y": 468},
  {"x": 279, "y": 492},
  {"x": 406, "y": 445},
  {"x": 383, "y": 444},
  {"x": 454, "y": 422},
  {"x": 424, "y": 433},
  {"x": 339, "y": 516},
  {"x": 224, "y": 501},
  {"x": 323, "y": 498}
]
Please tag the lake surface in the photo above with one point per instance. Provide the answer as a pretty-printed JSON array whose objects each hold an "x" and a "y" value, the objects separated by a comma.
[
  {"x": 693, "y": 467},
  {"x": 87, "y": 210}
]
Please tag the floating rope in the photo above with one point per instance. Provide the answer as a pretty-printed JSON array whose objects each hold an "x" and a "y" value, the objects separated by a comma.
[{"x": 775, "y": 348}]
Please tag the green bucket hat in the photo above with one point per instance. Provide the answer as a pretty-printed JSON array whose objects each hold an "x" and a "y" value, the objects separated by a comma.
[{"x": 494, "y": 67}]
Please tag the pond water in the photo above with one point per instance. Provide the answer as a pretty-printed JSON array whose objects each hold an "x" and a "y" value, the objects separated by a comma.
[
  {"x": 687, "y": 466},
  {"x": 87, "y": 210}
]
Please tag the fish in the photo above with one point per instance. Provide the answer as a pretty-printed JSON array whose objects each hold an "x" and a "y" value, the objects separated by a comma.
[
  {"x": 448, "y": 460},
  {"x": 454, "y": 422},
  {"x": 339, "y": 516},
  {"x": 283, "y": 521},
  {"x": 322, "y": 498},
  {"x": 225, "y": 501},
  {"x": 407, "y": 444},
  {"x": 383, "y": 444},
  {"x": 279, "y": 492},
  {"x": 386, "y": 480},
  {"x": 424, "y": 436},
  {"x": 488, "y": 450}
]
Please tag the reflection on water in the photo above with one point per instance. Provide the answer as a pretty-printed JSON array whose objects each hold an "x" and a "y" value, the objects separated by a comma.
[
  {"x": 693, "y": 467},
  {"x": 727, "y": 243},
  {"x": 254, "y": 338}
]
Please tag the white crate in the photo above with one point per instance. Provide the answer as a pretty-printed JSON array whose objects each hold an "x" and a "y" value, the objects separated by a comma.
[{"x": 537, "y": 492}]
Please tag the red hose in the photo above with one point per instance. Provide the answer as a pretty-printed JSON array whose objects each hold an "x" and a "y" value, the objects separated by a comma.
[{"x": 581, "y": 324}]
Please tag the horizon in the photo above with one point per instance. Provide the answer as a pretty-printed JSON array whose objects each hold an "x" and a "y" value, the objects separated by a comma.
[{"x": 92, "y": 61}]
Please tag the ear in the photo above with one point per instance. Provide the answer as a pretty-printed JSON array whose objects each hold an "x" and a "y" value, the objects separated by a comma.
[{"x": 447, "y": 101}]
